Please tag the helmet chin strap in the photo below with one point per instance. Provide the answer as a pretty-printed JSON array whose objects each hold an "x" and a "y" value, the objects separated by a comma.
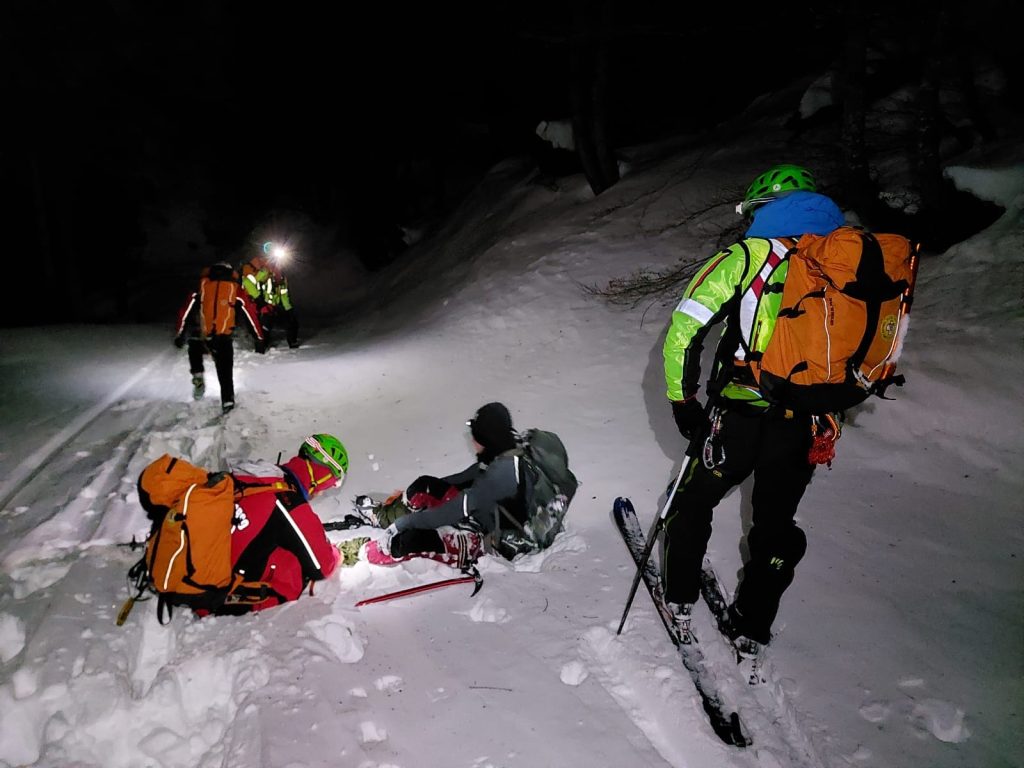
[{"x": 315, "y": 483}]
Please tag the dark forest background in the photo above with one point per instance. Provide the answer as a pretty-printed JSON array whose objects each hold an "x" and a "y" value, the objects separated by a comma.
[{"x": 127, "y": 124}]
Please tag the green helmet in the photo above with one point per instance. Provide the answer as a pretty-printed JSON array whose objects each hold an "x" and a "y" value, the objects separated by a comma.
[
  {"x": 327, "y": 450},
  {"x": 774, "y": 182}
]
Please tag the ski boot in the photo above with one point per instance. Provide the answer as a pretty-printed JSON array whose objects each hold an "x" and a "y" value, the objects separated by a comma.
[
  {"x": 461, "y": 549},
  {"x": 750, "y": 657},
  {"x": 750, "y": 654},
  {"x": 682, "y": 613},
  {"x": 198, "y": 386}
]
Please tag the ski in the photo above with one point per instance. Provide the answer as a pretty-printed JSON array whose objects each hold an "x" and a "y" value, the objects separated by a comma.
[
  {"x": 725, "y": 721},
  {"x": 736, "y": 709},
  {"x": 717, "y": 600},
  {"x": 472, "y": 576},
  {"x": 713, "y": 592}
]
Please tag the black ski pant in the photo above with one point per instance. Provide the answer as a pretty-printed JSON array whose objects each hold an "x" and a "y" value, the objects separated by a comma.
[
  {"x": 222, "y": 350},
  {"x": 425, "y": 492},
  {"x": 774, "y": 448},
  {"x": 280, "y": 316}
]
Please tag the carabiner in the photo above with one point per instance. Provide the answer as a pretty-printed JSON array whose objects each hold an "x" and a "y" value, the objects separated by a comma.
[{"x": 713, "y": 454}]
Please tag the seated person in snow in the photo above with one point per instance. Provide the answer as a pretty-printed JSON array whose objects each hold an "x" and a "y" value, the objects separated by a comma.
[{"x": 448, "y": 518}]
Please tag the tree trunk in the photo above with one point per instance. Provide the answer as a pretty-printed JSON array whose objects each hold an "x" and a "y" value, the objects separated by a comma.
[
  {"x": 588, "y": 88},
  {"x": 599, "y": 96},
  {"x": 928, "y": 165},
  {"x": 851, "y": 89}
]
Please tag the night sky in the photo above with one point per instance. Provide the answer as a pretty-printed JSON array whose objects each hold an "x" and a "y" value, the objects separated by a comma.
[{"x": 360, "y": 117}]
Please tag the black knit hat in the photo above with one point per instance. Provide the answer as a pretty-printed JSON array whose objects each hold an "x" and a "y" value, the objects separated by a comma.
[{"x": 491, "y": 426}]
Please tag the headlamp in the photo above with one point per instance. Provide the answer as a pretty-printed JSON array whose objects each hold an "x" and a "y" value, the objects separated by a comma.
[
  {"x": 747, "y": 206},
  {"x": 278, "y": 254}
]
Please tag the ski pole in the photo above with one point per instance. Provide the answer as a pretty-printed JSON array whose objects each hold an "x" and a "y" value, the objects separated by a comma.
[
  {"x": 652, "y": 536},
  {"x": 715, "y": 384}
]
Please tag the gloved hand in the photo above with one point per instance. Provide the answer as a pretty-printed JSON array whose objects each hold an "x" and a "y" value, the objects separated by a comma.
[
  {"x": 384, "y": 542},
  {"x": 179, "y": 341},
  {"x": 261, "y": 347},
  {"x": 690, "y": 417}
]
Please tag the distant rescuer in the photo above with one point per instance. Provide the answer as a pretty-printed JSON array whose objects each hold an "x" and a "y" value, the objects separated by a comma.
[
  {"x": 207, "y": 320},
  {"x": 265, "y": 283},
  {"x": 742, "y": 435}
]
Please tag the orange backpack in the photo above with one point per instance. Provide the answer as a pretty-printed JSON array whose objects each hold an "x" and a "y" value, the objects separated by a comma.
[
  {"x": 840, "y": 328},
  {"x": 218, "y": 289},
  {"x": 188, "y": 552}
]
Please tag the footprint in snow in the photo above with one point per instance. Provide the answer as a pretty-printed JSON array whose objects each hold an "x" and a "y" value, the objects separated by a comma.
[
  {"x": 487, "y": 611},
  {"x": 388, "y": 684}
]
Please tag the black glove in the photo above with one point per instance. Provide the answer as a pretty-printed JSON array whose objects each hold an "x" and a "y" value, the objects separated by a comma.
[
  {"x": 179, "y": 341},
  {"x": 690, "y": 417},
  {"x": 261, "y": 347}
]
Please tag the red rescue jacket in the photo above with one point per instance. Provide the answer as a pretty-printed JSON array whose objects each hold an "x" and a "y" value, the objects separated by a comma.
[{"x": 277, "y": 537}]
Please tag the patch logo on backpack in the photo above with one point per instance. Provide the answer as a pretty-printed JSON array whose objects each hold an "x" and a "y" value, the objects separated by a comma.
[
  {"x": 890, "y": 325},
  {"x": 843, "y": 317}
]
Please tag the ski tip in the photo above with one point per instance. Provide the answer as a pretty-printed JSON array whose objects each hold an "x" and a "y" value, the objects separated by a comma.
[{"x": 623, "y": 502}]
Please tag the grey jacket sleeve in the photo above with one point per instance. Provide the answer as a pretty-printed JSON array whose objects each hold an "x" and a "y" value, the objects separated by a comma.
[
  {"x": 498, "y": 484},
  {"x": 466, "y": 477}
]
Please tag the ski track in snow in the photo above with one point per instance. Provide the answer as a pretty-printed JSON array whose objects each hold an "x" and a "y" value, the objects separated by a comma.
[
  {"x": 194, "y": 692},
  {"x": 34, "y": 463},
  {"x": 925, "y": 715},
  {"x": 657, "y": 694}
]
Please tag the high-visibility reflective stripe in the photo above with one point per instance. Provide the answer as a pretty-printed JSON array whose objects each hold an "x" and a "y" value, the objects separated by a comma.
[
  {"x": 186, "y": 313},
  {"x": 170, "y": 564},
  {"x": 181, "y": 544},
  {"x": 298, "y": 532},
  {"x": 752, "y": 296},
  {"x": 696, "y": 310}
]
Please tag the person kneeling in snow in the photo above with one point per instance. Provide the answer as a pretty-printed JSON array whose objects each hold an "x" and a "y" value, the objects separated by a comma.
[
  {"x": 514, "y": 496},
  {"x": 227, "y": 543},
  {"x": 278, "y": 534}
]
